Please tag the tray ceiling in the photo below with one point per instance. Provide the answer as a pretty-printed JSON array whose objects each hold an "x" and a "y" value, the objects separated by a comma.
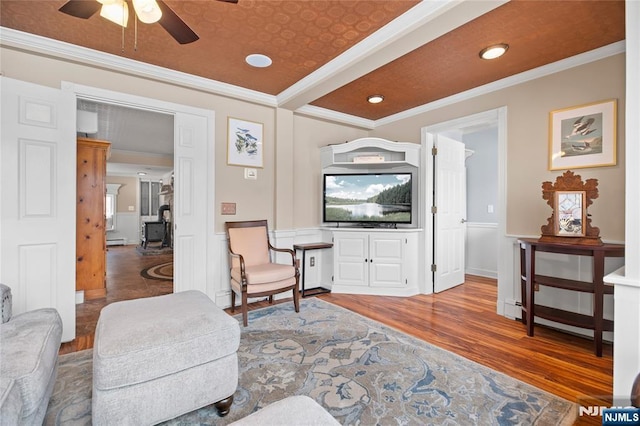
[{"x": 333, "y": 54}]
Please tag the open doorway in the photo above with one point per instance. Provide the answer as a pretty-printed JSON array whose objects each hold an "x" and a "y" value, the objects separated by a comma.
[
  {"x": 489, "y": 128},
  {"x": 139, "y": 190}
]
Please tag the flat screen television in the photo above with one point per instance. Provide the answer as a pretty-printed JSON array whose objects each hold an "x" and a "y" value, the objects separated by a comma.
[{"x": 367, "y": 198}]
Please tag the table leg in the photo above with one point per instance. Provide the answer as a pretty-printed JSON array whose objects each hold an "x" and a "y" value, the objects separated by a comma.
[
  {"x": 598, "y": 296},
  {"x": 304, "y": 264},
  {"x": 530, "y": 259}
]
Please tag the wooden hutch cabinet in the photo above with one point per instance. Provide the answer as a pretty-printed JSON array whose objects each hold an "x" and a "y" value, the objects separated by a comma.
[{"x": 90, "y": 217}]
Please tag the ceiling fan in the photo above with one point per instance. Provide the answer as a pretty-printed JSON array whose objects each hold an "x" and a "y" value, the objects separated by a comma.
[{"x": 147, "y": 11}]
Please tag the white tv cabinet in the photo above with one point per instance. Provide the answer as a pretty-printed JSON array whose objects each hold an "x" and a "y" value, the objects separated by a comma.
[
  {"x": 376, "y": 261},
  {"x": 379, "y": 262}
]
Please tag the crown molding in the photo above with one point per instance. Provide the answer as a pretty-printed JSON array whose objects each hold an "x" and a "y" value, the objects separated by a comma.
[
  {"x": 334, "y": 116},
  {"x": 555, "y": 67},
  {"x": 58, "y": 49}
]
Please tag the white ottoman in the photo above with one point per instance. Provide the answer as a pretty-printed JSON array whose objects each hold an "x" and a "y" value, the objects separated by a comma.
[{"x": 160, "y": 357}]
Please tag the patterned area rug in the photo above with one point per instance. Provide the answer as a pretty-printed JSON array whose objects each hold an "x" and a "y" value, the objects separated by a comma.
[
  {"x": 164, "y": 271},
  {"x": 361, "y": 371}
]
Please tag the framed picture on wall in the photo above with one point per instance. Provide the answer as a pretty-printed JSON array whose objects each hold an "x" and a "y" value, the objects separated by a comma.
[
  {"x": 583, "y": 136},
  {"x": 244, "y": 143}
]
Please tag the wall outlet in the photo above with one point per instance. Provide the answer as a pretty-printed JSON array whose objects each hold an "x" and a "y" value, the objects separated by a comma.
[
  {"x": 490, "y": 208},
  {"x": 132, "y": 208},
  {"x": 312, "y": 261},
  {"x": 228, "y": 208}
]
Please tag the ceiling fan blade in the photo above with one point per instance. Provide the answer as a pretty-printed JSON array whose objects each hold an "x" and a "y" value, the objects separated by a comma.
[
  {"x": 176, "y": 26},
  {"x": 230, "y": 1},
  {"x": 80, "y": 8}
]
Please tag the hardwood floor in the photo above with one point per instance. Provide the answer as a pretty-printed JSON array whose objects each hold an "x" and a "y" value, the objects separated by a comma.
[{"x": 462, "y": 320}]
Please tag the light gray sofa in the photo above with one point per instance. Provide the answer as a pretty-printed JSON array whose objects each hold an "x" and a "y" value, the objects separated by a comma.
[{"x": 29, "y": 345}]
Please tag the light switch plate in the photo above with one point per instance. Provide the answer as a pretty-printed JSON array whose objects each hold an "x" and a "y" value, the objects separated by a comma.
[
  {"x": 228, "y": 208},
  {"x": 250, "y": 173}
]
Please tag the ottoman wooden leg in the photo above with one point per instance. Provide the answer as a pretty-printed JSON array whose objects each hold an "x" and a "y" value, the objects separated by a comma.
[{"x": 224, "y": 406}]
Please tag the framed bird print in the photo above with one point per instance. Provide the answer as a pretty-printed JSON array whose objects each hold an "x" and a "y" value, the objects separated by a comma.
[
  {"x": 583, "y": 136},
  {"x": 244, "y": 143}
]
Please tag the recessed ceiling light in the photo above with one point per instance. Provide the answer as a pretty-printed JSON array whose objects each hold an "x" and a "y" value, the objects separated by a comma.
[
  {"x": 375, "y": 99},
  {"x": 142, "y": 173},
  {"x": 493, "y": 52},
  {"x": 259, "y": 61}
]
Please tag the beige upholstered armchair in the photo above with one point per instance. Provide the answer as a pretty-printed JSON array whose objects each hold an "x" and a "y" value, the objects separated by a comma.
[{"x": 253, "y": 273}]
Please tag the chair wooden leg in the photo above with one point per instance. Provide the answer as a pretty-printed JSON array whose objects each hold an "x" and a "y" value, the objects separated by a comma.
[
  {"x": 296, "y": 298},
  {"x": 245, "y": 313}
]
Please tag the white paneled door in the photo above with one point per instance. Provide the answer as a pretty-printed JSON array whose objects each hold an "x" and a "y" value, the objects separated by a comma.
[
  {"x": 450, "y": 196},
  {"x": 37, "y": 196},
  {"x": 191, "y": 216}
]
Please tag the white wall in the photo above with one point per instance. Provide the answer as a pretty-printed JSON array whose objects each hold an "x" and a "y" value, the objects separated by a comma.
[{"x": 127, "y": 227}]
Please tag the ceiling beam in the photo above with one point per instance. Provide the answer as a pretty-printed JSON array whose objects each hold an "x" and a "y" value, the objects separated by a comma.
[{"x": 419, "y": 25}]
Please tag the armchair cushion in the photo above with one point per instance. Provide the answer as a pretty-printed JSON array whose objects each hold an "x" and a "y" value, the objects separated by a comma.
[{"x": 265, "y": 273}]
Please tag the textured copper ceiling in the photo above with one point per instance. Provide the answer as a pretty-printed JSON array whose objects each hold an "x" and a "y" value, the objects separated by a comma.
[
  {"x": 537, "y": 32},
  {"x": 301, "y": 36}
]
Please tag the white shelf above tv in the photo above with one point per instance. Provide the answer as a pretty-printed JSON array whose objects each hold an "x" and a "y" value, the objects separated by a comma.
[{"x": 370, "y": 153}]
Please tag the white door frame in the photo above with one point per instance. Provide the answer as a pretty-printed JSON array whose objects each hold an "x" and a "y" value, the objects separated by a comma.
[
  {"x": 133, "y": 101},
  {"x": 505, "y": 251}
]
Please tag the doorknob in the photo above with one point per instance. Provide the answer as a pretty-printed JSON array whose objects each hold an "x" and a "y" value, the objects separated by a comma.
[{"x": 463, "y": 220}]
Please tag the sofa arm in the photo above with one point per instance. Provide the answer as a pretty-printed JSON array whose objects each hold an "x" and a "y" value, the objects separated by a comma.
[{"x": 6, "y": 301}]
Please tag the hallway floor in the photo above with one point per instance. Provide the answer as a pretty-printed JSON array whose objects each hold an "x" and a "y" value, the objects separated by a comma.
[{"x": 124, "y": 282}]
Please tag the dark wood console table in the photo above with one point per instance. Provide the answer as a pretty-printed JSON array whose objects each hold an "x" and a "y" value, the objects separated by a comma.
[
  {"x": 304, "y": 248},
  {"x": 529, "y": 279}
]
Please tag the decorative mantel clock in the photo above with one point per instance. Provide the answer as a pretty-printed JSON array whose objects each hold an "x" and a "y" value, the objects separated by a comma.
[{"x": 569, "y": 198}]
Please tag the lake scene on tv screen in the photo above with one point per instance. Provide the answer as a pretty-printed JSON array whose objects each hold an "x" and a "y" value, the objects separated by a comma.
[{"x": 368, "y": 198}]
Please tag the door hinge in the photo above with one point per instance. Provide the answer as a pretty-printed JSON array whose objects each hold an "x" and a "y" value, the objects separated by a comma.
[
  {"x": 434, "y": 151},
  {"x": 434, "y": 209},
  {"x": 433, "y": 268},
  {"x": 331, "y": 278}
]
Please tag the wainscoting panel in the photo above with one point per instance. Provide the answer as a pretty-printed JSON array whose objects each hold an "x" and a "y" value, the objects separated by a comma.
[{"x": 482, "y": 249}]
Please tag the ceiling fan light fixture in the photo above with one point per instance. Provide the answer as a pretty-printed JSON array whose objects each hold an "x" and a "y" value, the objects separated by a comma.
[
  {"x": 375, "y": 99},
  {"x": 147, "y": 11},
  {"x": 116, "y": 11},
  {"x": 258, "y": 60},
  {"x": 495, "y": 51}
]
